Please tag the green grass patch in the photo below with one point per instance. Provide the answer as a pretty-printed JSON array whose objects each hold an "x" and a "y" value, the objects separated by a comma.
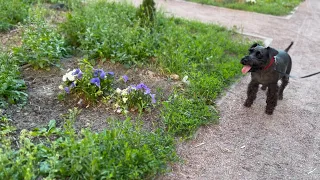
[
  {"x": 11, "y": 85},
  {"x": 273, "y": 7},
  {"x": 183, "y": 116},
  {"x": 124, "y": 151}
]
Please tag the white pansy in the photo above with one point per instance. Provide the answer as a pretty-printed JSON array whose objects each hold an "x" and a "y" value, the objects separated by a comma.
[
  {"x": 119, "y": 110},
  {"x": 118, "y": 91},
  {"x": 124, "y": 99},
  {"x": 69, "y": 76},
  {"x": 64, "y": 78},
  {"x": 61, "y": 87},
  {"x": 124, "y": 92}
]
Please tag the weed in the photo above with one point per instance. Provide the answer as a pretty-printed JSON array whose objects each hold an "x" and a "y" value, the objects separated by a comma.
[
  {"x": 42, "y": 46},
  {"x": 11, "y": 84},
  {"x": 183, "y": 116}
]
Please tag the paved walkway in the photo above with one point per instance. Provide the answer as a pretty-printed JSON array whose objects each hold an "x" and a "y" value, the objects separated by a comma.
[{"x": 247, "y": 144}]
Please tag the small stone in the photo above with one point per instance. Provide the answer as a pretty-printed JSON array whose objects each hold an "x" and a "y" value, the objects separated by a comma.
[{"x": 174, "y": 76}]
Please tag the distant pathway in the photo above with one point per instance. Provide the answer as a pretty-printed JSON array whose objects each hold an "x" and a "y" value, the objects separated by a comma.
[{"x": 247, "y": 144}]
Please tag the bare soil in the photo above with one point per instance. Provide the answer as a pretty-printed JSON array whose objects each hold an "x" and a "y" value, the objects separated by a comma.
[{"x": 248, "y": 144}]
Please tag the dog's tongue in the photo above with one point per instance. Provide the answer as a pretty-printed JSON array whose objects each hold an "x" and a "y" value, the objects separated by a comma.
[{"x": 245, "y": 69}]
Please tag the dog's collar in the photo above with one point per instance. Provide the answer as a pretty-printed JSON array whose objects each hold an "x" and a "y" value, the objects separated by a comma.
[{"x": 270, "y": 64}]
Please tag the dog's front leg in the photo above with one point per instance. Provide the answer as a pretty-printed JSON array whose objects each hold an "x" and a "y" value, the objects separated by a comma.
[
  {"x": 272, "y": 98},
  {"x": 251, "y": 93}
]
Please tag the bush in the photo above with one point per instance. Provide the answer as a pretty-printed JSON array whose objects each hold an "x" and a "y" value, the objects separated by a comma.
[
  {"x": 11, "y": 84},
  {"x": 146, "y": 12},
  {"x": 125, "y": 151}
]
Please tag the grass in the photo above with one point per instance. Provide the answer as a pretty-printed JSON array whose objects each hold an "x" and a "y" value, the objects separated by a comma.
[
  {"x": 273, "y": 7},
  {"x": 124, "y": 151}
]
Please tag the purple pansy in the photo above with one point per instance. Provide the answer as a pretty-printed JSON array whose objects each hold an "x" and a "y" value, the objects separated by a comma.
[
  {"x": 111, "y": 73},
  {"x": 144, "y": 87},
  {"x": 95, "y": 81},
  {"x": 72, "y": 85},
  {"x": 125, "y": 78},
  {"x": 67, "y": 90},
  {"x": 102, "y": 74},
  {"x": 153, "y": 99},
  {"x": 78, "y": 72}
]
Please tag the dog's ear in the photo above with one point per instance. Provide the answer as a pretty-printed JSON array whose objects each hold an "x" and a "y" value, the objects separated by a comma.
[{"x": 272, "y": 52}]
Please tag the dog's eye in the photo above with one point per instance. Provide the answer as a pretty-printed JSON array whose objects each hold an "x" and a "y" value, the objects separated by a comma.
[{"x": 259, "y": 55}]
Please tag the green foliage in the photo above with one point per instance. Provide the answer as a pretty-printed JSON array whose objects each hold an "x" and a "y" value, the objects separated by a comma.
[
  {"x": 274, "y": 7},
  {"x": 183, "y": 116},
  {"x": 42, "y": 46},
  {"x": 125, "y": 151},
  {"x": 11, "y": 84},
  {"x": 146, "y": 12},
  {"x": 12, "y": 12}
]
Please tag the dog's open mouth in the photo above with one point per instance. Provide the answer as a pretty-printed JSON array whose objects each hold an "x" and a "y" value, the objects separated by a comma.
[{"x": 245, "y": 69}]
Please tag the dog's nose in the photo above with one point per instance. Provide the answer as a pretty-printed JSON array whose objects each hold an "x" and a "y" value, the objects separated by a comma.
[{"x": 244, "y": 60}]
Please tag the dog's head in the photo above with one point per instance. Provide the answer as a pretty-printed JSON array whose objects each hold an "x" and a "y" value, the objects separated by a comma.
[{"x": 259, "y": 57}]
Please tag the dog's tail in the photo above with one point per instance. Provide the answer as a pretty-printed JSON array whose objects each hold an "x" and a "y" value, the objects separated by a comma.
[{"x": 288, "y": 48}]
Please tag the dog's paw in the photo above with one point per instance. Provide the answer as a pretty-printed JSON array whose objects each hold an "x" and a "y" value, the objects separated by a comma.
[
  {"x": 280, "y": 97},
  {"x": 269, "y": 111},
  {"x": 247, "y": 104}
]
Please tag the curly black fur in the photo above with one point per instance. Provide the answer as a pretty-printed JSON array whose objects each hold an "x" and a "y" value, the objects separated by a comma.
[{"x": 259, "y": 59}]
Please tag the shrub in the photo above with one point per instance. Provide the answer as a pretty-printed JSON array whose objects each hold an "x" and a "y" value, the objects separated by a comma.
[
  {"x": 125, "y": 151},
  {"x": 11, "y": 84},
  {"x": 146, "y": 12}
]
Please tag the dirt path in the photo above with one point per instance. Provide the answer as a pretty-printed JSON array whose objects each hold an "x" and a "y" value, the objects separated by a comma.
[{"x": 247, "y": 144}]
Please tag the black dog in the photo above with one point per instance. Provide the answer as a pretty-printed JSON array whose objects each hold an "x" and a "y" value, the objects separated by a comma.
[{"x": 265, "y": 65}]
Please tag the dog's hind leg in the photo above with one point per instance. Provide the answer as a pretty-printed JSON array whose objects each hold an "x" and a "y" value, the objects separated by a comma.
[
  {"x": 251, "y": 93},
  {"x": 284, "y": 83},
  {"x": 272, "y": 98}
]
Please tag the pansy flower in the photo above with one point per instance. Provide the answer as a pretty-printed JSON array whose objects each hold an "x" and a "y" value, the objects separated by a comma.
[
  {"x": 95, "y": 81},
  {"x": 125, "y": 78}
]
